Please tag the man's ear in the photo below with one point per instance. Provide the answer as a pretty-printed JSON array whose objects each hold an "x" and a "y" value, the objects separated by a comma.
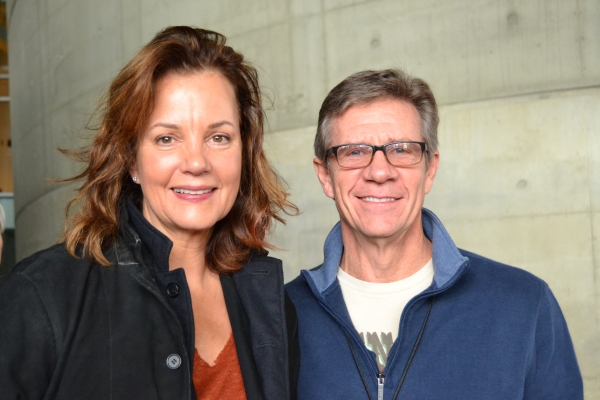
[
  {"x": 431, "y": 171},
  {"x": 324, "y": 177}
]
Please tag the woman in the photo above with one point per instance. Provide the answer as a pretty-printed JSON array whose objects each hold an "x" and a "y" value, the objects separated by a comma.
[{"x": 162, "y": 288}]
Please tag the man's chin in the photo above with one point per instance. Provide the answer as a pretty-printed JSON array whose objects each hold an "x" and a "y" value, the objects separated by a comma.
[{"x": 380, "y": 232}]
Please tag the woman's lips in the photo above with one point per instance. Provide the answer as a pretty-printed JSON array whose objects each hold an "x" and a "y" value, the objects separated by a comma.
[{"x": 189, "y": 191}]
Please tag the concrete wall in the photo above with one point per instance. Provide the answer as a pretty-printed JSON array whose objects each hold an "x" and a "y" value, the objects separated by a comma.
[{"x": 518, "y": 83}]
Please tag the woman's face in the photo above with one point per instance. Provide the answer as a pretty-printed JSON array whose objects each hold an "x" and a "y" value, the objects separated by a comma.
[{"x": 189, "y": 159}]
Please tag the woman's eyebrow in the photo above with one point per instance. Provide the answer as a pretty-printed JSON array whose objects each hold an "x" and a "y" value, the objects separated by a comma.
[
  {"x": 219, "y": 124},
  {"x": 165, "y": 125},
  {"x": 177, "y": 127}
]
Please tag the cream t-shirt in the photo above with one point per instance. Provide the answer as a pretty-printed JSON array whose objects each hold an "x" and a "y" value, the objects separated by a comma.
[{"x": 375, "y": 308}]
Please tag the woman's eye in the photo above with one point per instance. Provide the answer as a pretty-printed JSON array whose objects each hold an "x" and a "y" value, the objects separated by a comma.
[
  {"x": 164, "y": 140},
  {"x": 220, "y": 139}
]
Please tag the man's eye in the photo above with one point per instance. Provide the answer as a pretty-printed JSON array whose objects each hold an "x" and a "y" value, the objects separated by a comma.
[{"x": 353, "y": 152}]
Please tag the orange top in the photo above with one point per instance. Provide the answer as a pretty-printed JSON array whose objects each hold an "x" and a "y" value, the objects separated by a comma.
[{"x": 222, "y": 380}]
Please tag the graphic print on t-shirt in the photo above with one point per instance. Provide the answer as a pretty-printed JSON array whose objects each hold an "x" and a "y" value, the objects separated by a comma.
[
  {"x": 378, "y": 344},
  {"x": 375, "y": 308}
]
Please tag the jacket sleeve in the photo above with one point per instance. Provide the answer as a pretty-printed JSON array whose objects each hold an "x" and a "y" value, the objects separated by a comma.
[
  {"x": 27, "y": 345},
  {"x": 554, "y": 372},
  {"x": 291, "y": 320}
]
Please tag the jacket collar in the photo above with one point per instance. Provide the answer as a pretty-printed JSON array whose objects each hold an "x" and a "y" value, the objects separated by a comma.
[
  {"x": 447, "y": 260},
  {"x": 155, "y": 242}
]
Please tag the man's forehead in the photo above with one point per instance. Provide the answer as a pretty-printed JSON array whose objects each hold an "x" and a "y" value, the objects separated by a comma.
[{"x": 381, "y": 121}]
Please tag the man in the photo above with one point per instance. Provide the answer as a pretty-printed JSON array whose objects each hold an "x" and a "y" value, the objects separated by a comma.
[{"x": 396, "y": 310}]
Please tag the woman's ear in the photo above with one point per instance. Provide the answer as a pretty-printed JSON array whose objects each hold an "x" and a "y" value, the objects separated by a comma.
[{"x": 134, "y": 175}]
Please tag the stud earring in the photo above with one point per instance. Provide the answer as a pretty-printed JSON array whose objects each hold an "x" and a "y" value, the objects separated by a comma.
[{"x": 134, "y": 179}]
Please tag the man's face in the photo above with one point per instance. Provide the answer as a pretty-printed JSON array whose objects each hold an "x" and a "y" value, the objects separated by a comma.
[{"x": 380, "y": 200}]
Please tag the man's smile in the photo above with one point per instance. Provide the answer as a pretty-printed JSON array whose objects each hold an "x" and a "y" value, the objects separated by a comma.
[{"x": 378, "y": 199}]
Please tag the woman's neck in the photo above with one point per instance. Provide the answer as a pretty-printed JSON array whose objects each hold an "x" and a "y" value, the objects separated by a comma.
[{"x": 190, "y": 254}]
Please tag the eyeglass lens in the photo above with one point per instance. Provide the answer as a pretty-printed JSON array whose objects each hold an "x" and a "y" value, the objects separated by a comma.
[{"x": 398, "y": 154}]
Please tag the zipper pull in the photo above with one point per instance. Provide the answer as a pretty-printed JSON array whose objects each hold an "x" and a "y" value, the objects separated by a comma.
[{"x": 380, "y": 381}]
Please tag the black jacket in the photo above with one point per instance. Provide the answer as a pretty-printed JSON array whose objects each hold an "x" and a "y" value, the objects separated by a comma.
[{"x": 72, "y": 329}]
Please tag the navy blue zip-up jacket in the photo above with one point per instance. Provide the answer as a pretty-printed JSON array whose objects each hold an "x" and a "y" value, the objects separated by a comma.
[{"x": 492, "y": 332}]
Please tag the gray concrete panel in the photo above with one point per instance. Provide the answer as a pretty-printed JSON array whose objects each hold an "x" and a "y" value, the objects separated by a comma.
[
  {"x": 213, "y": 14},
  {"x": 25, "y": 78},
  {"x": 131, "y": 29},
  {"x": 41, "y": 222},
  {"x": 523, "y": 156},
  {"x": 49, "y": 7},
  {"x": 284, "y": 56},
  {"x": 305, "y": 7},
  {"x": 470, "y": 50},
  {"x": 300, "y": 241},
  {"x": 65, "y": 129},
  {"x": 88, "y": 52},
  {"x": 30, "y": 175}
]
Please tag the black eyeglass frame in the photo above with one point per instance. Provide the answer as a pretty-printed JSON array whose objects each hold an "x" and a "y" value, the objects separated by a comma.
[{"x": 333, "y": 150}]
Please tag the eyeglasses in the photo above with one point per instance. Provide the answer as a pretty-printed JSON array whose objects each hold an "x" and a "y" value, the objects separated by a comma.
[{"x": 398, "y": 154}]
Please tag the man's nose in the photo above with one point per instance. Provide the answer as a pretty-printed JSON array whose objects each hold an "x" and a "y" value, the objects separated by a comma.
[
  {"x": 382, "y": 152},
  {"x": 380, "y": 169}
]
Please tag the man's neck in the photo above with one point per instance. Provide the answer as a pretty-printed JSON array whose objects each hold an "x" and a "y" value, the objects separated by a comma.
[{"x": 385, "y": 259}]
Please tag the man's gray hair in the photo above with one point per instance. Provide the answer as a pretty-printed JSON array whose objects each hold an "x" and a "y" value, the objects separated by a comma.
[
  {"x": 367, "y": 87},
  {"x": 2, "y": 219}
]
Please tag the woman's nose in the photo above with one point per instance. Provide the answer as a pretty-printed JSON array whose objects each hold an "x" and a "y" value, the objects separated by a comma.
[{"x": 195, "y": 159}]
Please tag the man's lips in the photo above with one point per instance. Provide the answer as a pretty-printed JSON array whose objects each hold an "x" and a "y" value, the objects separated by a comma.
[{"x": 378, "y": 199}]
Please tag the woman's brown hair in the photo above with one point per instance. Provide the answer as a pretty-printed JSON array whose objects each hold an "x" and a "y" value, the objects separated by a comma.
[{"x": 125, "y": 111}]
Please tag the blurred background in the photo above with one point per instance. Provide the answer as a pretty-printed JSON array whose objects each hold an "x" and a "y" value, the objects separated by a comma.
[{"x": 518, "y": 84}]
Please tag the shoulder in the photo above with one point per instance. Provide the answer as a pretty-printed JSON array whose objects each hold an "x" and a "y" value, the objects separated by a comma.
[
  {"x": 258, "y": 262},
  {"x": 296, "y": 284},
  {"x": 35, "y": 291},
  {"x": 47, "y": 278},
  {"x": 501, "y": 279},
  {"x": 299, "y": 291},
  {"x": 48, "y": 262},
  {"x": 497, "y": 270},
  {"x": 55, "y": 277}
]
